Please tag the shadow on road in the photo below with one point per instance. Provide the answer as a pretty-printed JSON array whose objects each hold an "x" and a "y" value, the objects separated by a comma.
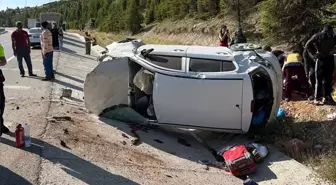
[
  {"x": 73, "y": 39},
  {"x": 167, "y": 139},
  {"x": 74, "y": 44},
  {"x": 9, "y": 177},
  {"x": 70, "y": 77},
  {"x": 73, "y": 53},
  {"x": 69, "y": 85},
  {"x": 73, "y": 165}
]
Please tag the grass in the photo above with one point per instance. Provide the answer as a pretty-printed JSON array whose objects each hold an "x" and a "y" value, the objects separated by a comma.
[{"x": 279, "y": 132}]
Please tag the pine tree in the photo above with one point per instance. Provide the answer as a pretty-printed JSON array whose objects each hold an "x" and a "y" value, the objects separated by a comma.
[{"x": 133, "y": 17}]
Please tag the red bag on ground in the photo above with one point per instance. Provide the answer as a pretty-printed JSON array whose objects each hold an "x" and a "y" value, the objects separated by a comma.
[{"x": 239, "y": 161}]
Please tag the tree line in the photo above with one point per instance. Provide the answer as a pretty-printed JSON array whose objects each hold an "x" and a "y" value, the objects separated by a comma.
[{"x": 281, "y": 19}]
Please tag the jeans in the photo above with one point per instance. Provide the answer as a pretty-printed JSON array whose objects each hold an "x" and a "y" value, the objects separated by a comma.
[
  {"x": 48, "y": 64},
  {"x": 23, "y": 53},
  {"x": 2, "y": 106},
  {"x": 324, "y": 70},
  {"x": 60, "y": 42}
]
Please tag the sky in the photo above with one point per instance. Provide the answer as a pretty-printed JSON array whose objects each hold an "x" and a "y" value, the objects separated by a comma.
[{"x": 21, "y": 3}]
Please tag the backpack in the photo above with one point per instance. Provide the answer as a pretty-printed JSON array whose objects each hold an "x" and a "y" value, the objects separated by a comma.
[{"x": 239, "y": 161}]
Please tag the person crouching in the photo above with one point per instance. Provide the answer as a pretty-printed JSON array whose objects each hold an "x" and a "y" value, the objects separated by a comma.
[{"x": 295, "y": 76}]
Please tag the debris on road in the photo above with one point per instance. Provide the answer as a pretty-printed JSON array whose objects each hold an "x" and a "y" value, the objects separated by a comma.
[
  {"x": 124, "y": 142},
  {"x": 158, "y": 141},
  {"x": 66, "y": 131},
  {"x": 62, "y": 118},
  {"x": 66, "y": 93},
  {"x": 281, "y": 113},
  {"x": 63, "y": 144},
  {"x": 183, "y": 142},
  {"x": 17, "y": 107}
]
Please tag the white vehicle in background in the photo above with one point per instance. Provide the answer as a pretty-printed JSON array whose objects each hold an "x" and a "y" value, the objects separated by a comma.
[
  {"x": 34, "y": 36},
  {"x": 208, "y": 88}
]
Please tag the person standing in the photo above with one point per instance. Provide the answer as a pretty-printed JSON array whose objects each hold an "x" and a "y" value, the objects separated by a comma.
[
  {"x": 224, "y": 36},
  {"x": 21, "y": 49},
  {"x": 87, "y": 43},
  {"x": 61, "y": 38},
  {"x": 324, "y": 44},
  {"x": 55, "y": 34},
  {"x": 3, "y": 61},
  {"x": 47, "y": 52},
  {"x": 239, "y": 37}
]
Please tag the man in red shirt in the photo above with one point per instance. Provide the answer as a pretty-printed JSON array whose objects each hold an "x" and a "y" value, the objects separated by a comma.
[{"x": 21, "y": 49}]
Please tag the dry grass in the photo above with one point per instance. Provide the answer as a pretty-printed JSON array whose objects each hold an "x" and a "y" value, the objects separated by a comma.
[
  {"x": 309, "y": 124},
  {"x": 187, "y": 32}
]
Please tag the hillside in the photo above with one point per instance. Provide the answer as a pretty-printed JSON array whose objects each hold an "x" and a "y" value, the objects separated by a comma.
[{"x": 269, "y": 20}]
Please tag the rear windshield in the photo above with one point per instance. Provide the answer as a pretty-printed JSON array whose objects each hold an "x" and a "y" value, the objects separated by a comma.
[{"x": 34, "y": 31}]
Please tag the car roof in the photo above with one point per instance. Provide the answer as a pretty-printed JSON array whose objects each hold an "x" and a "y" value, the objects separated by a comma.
[{"x": 184, "y": 50}]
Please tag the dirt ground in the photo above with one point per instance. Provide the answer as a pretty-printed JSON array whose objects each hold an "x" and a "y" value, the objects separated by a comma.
[{"x": 310, "y": 124}]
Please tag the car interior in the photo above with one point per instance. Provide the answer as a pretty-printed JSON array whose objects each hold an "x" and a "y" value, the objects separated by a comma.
[{"x": 263, "y": 99}]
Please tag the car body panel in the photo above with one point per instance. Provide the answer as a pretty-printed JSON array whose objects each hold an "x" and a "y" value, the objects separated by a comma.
[{"x": 210, "y": 103}]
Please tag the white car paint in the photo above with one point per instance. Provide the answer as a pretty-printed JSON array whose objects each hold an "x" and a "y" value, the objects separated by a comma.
[
  {"x": 203, "y": 100},
  {"x": 34, "y": 36}
]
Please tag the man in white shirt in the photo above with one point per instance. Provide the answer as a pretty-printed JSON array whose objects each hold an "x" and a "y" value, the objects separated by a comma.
[{"x": 47, "y": 52}]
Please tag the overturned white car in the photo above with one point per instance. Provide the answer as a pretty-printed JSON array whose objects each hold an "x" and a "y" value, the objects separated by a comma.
[{"x": 209, "y": 88}]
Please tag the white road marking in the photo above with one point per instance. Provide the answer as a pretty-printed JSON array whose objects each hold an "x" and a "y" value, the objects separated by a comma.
[
  {"x": 16, "y": 87},
  {"x": 10, "y": 58},
  {"x": 15, "y": 69}
]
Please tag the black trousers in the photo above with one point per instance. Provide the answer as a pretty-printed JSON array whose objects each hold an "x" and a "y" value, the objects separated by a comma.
[
  {"x": 324, "y": 70},
  {"x": 2, "y": 107}
]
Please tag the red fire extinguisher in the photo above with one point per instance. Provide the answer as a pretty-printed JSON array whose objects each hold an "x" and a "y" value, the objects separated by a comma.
[{"x": 19, "y": 136}]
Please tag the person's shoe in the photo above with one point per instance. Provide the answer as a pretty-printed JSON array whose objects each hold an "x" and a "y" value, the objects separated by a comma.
[
  {"x": 22, "y": 75},
  {"x": 316, "y": 102},
  {"x": 47, "y": 79},
  {"x": 310, "y": 98},
  {"x": 32, "y": 74},
  {"x": 5, "y": 130}
]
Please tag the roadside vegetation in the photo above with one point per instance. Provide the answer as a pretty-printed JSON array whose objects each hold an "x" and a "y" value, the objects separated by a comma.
[{"x": 281, "y": 23}]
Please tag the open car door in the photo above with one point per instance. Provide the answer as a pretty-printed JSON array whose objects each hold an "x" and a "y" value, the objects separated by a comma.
[{"x": 198, "y": 102}]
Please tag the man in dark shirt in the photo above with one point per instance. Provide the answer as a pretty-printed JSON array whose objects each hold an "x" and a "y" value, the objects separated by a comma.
[
  {"x": 324, "y": 44},
  {"x": 55, "y": 35},
  {"x": 21, "y": 49}
]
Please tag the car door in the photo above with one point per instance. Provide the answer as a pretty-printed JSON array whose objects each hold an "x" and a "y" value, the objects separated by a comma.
[{"x": 202, "y": 100}]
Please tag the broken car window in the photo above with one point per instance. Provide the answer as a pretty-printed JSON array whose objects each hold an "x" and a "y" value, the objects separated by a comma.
[
  {"x": 206, "y": 65},
  {"x": 170, "y": 62}
]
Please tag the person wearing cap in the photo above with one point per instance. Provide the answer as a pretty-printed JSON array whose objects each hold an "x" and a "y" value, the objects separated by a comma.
[
  {"x": 21, "y": 49},
  {"x": 239, "y": 37},
  {"x": 3, "y": 61},
  {"x": 324, "y": 44}
]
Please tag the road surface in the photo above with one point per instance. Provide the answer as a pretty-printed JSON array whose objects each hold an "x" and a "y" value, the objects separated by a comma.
[{"x": 73, "y": 147}]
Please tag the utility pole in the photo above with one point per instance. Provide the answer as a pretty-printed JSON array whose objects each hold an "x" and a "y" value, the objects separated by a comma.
[{"x": 239, "y": 15}]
